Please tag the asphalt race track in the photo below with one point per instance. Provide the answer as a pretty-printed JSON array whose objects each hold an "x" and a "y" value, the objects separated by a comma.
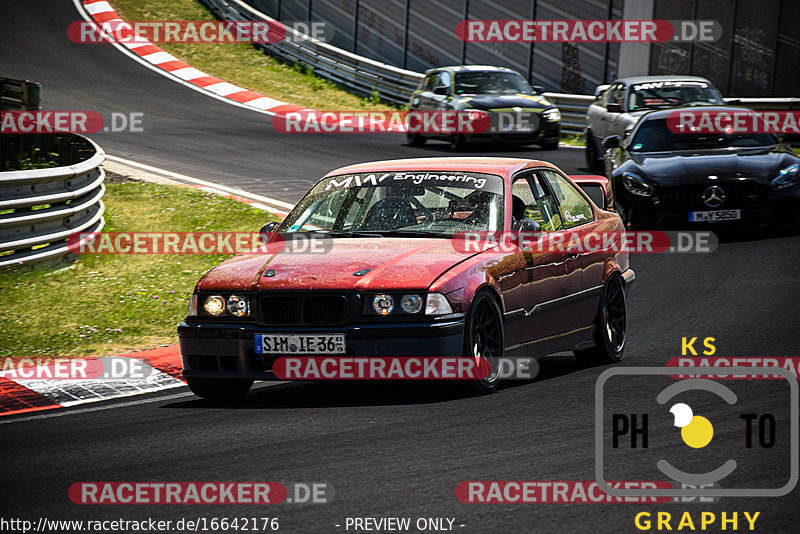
[{"x": 387, "y": 451}]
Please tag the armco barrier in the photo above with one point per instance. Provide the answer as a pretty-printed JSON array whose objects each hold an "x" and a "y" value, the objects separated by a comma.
[
  {"x": 40, "y": 208},
  {"x": 362, "y": 75},
  {"x": 19, "y": 95},
  {"x": 359, "y": 74}
]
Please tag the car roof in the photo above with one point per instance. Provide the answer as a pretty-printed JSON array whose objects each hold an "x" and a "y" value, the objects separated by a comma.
[
  {"x": 646, "y": 79},
  {"x": 664, "y": 113},
  {"x": 505, "y": 167},
  {"x": 472, "y": 68}
]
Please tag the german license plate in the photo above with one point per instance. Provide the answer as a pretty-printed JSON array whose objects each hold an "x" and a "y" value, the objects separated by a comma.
[
  {"x": 715, "y": 216},
  {"x": 299, "y": 344}
]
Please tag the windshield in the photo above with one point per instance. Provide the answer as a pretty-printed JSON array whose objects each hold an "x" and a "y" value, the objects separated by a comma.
[
  {"x": 418, "y": 203},
  {"x": 655, "y": 136},
  {"x": 655, "y": 95},
  {"x": 499, "y": 83}
]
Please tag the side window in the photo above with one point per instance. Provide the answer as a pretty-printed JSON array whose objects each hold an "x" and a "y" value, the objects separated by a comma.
[
  {"x": 574, "y": 208},
  {"x": 430, "y": 81},
  {"x": 539, "y": 204},
  {"x": 444, "y": 79},
  {"x": 615, "y": 94},
  {"x": 606, "y": 94}
]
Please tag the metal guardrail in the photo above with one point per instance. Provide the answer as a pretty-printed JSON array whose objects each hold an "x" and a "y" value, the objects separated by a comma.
[
  {"x": 362, "y": 76},
  {"x": 359, "y": 74},
  {"x": 20, "y": 95},
  {"x": 41, "y": 208}
]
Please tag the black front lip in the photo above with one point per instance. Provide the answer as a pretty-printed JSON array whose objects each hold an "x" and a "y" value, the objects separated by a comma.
[{"x": 232, "y": 346}]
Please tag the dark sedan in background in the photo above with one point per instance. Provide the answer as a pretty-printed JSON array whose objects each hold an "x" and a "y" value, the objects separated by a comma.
[
  {"x": 492, "y": 89},
  {"x": 663, "y": 178}
]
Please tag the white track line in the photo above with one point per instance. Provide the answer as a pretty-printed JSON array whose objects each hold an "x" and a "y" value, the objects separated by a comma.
[
  {"x": 118, "y": 405},
  {"x": 279, "y": 205}
]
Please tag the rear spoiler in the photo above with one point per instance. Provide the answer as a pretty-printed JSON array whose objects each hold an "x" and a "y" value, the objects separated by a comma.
[{"x": 596, "y": 187}]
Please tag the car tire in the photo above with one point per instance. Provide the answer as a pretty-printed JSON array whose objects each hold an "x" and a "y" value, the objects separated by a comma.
[
  {"x": 219, "y": 388},
  {"x": 592, "y": 161},
  {"x": 415, "y": 139},
  {"x": 549, "y": 145},
  {"x": 610, "y": 326},
  {"x": 483, "y": 336},
  {"x": 458, "y": 143}
]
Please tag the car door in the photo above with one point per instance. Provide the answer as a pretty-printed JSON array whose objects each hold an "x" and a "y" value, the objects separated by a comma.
[
  {"x": 608, "y": 118},
  {"x": 544, "y": 266},
  {"x": 429, "y": 101},
  {"x": 595, "y": 116},
  {"x": 580, "y": 285},
  {"x": 618, "y": 122}
]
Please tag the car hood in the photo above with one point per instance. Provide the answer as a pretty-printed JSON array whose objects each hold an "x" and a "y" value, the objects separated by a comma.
[
  {"x": 683, "y": 167},
  {"x": 393, "y": 263},
  {"x": 506, "y": 101}
]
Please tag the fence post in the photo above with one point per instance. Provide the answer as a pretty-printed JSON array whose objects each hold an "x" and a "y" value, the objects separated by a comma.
[
  {"x": 355, "y": 28},
  {"x": 464, "y": 43},
  {"x": 405, "y": 34}
]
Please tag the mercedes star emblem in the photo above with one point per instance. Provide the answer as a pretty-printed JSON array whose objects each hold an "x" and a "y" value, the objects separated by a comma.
[{"x": 713, "y": 196}]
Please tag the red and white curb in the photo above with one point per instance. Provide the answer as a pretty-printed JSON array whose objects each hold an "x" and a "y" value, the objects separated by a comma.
[
  {"x": 161, "y": 369},
  {"x": 101, "y": 11}
]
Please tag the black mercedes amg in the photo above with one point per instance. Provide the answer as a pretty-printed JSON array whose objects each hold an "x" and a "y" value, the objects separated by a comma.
[{"x": 665, "y": 178}]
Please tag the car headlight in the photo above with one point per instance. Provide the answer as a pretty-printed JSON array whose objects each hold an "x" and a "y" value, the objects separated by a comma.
[
  {"x": 551, "y": 114},
  {"x": 214, "y": 305},
  {"x": 436, "y": 304},
  {"x": 411, "y": 303},
  {"x": 637, "y": 185},
  {"x": 383, "y": 304},
  {"x": 238, "y": 306},
  {"x": 786, "y": 177},
  {"x": 192, "y": 311}
]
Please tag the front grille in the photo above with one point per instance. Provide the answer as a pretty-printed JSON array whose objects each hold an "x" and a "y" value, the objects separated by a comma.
[
  {"x": 280, "y": 309},
  {"x": 303, "y": 308},
  {"x": 689, "y": 196},
  {"x": 324, "y": 309}
]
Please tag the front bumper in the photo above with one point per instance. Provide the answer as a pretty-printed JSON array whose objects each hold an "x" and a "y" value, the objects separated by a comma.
[
  {"x": 227, "y": 350},
  {"x": 781, "y": 208},
  {"x": 549, "y": 133}
]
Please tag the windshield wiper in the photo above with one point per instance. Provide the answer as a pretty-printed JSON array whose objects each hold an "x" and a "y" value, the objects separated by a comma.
[
  {"x": 413, "y": 233},
  {"x": 343, "y": 233}
]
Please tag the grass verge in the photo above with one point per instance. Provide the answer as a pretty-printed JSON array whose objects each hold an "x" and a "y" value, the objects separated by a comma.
[
  {"x": 242, "y": 64},
  {"x": 106, "y": 304}
]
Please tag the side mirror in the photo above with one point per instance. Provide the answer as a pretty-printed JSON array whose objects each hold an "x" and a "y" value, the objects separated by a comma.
[
  {"x": 528, "y": 225},
  {"x": 612, "y": 141},
  {"x": 613, "y": 107},
  {"x": 441, "y": 90},
  {"x": 269, "y": 227},
  {"x": 600, "y": 90},
  {"x": 539, "y": 89}
]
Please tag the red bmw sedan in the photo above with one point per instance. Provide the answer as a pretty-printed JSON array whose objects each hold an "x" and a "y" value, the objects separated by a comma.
[{"x": 401, "y": 275}]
